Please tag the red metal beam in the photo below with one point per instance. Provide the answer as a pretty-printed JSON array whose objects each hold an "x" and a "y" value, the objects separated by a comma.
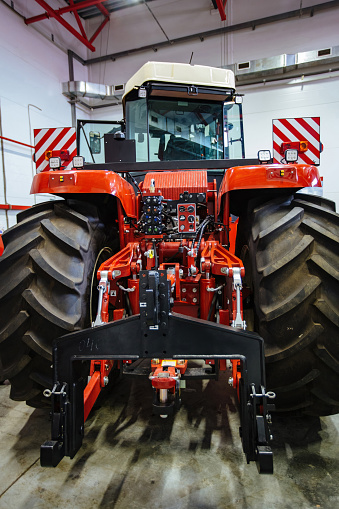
[
  {"x": 97, "y": 32},
  {"x": 64, "y": 23},
  {"x": 6, "y": 206},
  {"x": 71, "y": 8},
  {"x": 221, "y": 4},
  {"x": 34, "y": 19},
  {"x": 103, "y": 10},
  {"x": 77, "y": 17},
  {"x": 18, "y": 142},
  {"x": 51, "y": 13}
]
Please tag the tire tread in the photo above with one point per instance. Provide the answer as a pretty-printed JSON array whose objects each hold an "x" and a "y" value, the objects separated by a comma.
[{"x": 294, "y": 251}]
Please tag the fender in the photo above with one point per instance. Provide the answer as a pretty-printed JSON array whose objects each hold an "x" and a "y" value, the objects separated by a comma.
[
  {"x": 269, "y": 176},
  {"x": 86, "y": 181}
]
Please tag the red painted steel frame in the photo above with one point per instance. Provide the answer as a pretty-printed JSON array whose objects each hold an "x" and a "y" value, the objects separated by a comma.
[
  {"x": 221, "y": 4},
  {"x": 6, "y": 206},
  {"x": 98, "y": 30},
  {"x": 56, "y": 14},
  {"x": 77, "y": 17},
  {"x": 71, "y": 8},
  {"x": 15, "y": 141},
  {"x": 103, "y": 9}
]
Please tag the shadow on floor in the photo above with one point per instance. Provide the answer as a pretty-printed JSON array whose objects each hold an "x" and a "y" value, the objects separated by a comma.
[
  {"x": 205, "y": 403},
  {"x": 122, "y": 424}
]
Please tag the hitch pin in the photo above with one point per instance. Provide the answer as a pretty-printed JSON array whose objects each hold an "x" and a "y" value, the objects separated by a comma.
[
  {"x": 48, "y": 393},
  {"x": 269, "y": 395}
]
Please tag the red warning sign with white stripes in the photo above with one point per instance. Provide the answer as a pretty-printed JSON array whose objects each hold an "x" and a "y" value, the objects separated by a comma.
[
  {"x": 302, "y": 134},
  {"x": 54, "y": 142}
]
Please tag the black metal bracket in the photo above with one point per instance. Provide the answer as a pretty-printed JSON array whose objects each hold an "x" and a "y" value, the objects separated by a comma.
[
  {"x": 157, "y": 333},
  {"x": 154, "y": 297},
  {"x": 183, "y": 338}
]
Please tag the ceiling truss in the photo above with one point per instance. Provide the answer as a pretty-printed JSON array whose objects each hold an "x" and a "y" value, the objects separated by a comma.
[
  {"x": 74, "y": 8},
  {"x": 81, "y": 8},
  {"x": 84, "y": 9}
]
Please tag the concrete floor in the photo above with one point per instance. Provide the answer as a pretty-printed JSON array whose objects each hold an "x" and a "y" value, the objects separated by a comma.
[{"x": 131, "y": 459}]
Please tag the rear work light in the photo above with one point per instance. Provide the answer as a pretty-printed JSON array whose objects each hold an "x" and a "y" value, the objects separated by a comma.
[
  {"x": 291, "y": 155},
  {"x": 264, "y": 156},
  {"x": 54, "y": 163},
  {"x": 78, "y": 162}
]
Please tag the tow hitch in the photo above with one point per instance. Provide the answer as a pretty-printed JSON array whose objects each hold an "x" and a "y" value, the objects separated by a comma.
[{"x": 170, "y": 341}]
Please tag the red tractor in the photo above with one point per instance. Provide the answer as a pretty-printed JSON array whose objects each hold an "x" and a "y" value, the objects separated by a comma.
[{"x": 173, "y": 248}]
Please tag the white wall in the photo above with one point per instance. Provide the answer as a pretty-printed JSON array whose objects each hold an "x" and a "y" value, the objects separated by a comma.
[
  {"x": 313, "y": 98},
  {"x": 31, "y": 70},
  {"x": 292, "y": 36}
]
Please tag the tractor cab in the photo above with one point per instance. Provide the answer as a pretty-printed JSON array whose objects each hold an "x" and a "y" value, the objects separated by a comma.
[
  {"x": 183, "y": 112},
  {"x": 172, "y": 112}
]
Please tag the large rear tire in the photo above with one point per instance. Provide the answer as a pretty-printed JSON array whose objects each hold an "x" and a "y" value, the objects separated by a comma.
[
  {"x": 45, "y": 282},
  {"x": 293, "y": 249}
]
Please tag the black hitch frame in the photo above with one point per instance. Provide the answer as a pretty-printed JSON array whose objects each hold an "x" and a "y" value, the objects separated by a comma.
[{"x": 157, "y": 333}]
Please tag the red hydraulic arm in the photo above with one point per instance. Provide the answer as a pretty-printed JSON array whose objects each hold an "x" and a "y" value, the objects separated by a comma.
[
  {"x": 123, "y": 263},
  {"x": 217, "y": 259},
  {"x": 98, "y": 379}
]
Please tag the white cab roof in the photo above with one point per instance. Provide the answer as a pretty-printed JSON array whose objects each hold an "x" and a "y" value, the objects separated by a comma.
[{"x": 181, "y": 73}]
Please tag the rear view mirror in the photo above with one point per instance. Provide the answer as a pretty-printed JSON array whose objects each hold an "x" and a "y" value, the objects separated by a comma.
[{"x": 94, "y": 142}]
